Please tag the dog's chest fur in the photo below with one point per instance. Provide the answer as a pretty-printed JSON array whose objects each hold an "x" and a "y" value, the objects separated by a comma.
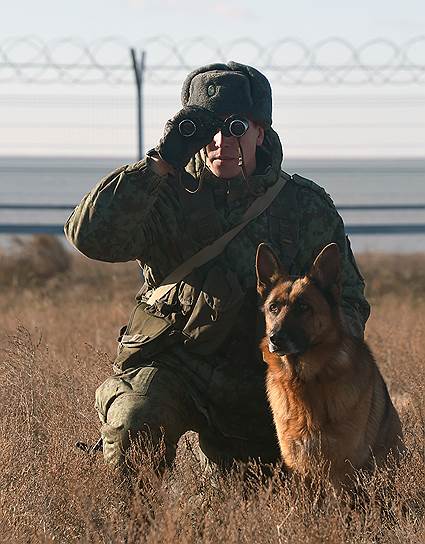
[{"x": 299, "y": 438}]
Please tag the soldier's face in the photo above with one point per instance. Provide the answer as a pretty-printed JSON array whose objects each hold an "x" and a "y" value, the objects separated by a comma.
[{"x": 223, "y": 152}]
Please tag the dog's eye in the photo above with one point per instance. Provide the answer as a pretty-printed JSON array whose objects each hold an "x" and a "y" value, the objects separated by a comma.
[
  {"x": 273, "y": 307},
  {"x": 303, "y": 307}
]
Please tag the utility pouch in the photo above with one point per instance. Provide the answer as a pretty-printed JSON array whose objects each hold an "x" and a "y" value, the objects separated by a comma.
[
  {"x": 144, "y": 336},
  {"x": 214, "y": 312}
]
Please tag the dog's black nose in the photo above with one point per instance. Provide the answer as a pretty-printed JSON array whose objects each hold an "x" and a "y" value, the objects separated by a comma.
[
  {"x": 278, "y": 338},
  {"x": 281, "y": 343},
  {"x": 276, "y": 341}
]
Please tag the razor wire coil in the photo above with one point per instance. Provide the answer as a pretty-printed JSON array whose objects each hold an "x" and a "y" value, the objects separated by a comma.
[{"x": 288, "y": 61}]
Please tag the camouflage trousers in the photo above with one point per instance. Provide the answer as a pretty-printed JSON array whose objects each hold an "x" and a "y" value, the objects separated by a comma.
[{"x": 223, "y": 401}]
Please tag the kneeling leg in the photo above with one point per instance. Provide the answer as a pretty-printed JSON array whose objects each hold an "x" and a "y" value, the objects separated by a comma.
[{"x": 144, "y": 404}]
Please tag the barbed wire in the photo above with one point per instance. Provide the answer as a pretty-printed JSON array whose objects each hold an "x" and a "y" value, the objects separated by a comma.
[{"x": 288, "y": 61}]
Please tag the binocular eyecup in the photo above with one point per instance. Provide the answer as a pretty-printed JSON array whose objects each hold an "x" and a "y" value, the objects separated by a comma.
[
  {"x": 232, "y": 126},
  {"x": 187, "y": 128},
  {"x": 235, "y": 126}
]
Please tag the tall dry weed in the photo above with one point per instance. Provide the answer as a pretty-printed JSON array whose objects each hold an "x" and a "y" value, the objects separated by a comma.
[
  {"x": 56, "y": 346},
  {"x": 393, "y": 274},
  {"x": 33, "y": 261}
]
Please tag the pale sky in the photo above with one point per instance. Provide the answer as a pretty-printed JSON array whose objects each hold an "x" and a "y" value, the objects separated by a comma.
[
  {"x": 391, "y": 126},
  {"x": 309, "y": 20}
]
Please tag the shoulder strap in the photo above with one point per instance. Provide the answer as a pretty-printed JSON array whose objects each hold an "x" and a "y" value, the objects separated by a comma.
[{"x": 215, "y": 248}]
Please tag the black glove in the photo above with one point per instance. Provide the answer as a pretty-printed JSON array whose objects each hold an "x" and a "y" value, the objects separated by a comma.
[{"x": 177, "y": 148}]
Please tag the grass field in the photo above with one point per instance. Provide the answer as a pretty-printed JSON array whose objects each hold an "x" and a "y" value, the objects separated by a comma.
[{"x": 60, "y": 314}]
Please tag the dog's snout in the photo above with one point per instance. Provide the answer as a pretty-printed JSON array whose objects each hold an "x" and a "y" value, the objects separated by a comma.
[
  {"x": 277, "y": 341},
  {"x": 278, "y": 337},
  {"x": 280, "y": 342}
]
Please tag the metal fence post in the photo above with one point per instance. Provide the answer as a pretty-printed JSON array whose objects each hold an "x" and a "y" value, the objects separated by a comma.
[{"x": 139, "y": 68}]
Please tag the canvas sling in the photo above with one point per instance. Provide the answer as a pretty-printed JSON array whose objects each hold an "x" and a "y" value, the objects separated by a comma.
[{"x": 215, "y": 248}]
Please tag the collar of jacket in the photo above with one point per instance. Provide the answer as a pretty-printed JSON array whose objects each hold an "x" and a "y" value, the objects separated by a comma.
[{"x": 269, "y": 162}]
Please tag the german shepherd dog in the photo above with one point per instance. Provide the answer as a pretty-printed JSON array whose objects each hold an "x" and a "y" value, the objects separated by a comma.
[{"x": 329, "y": 401}]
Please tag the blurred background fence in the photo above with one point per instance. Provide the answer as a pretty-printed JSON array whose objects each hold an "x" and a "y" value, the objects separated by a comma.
[{"x": 350, "y": 116}]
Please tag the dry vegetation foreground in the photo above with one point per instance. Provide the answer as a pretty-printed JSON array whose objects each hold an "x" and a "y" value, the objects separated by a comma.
[{"x": 59, "y": 317}]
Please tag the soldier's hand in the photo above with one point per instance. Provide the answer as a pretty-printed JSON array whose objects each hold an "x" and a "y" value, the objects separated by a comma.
[{"x": 186, "y": 133}]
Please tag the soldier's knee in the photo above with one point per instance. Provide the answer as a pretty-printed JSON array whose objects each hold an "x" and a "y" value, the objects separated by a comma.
[
  {"x": 128, "y": 418},
  {"x": 116, "y": 431},
  {"x": 127, "y": 412},
  {"x": 140, "y": 407}
]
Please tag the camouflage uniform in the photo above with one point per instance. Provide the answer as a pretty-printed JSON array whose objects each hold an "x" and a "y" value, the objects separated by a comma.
[{"x": 204, "y": 372}]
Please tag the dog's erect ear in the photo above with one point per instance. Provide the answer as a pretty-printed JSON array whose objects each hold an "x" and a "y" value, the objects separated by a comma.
[
  {"x": 326, "y": 269},
  {"x": 269, "y": 269}
]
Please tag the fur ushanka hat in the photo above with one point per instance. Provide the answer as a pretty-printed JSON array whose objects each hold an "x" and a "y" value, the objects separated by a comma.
[{"x": 231, "y": 88}]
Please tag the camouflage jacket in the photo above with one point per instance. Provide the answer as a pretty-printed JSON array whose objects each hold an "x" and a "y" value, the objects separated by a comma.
[{"x": 135, "y": 214}]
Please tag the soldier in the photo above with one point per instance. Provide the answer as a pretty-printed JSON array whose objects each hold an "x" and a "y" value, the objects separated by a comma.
[{"x": 188, "y": 358}]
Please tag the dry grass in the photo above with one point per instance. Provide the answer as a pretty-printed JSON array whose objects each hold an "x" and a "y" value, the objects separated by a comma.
[{"x": 59, "y": 321}]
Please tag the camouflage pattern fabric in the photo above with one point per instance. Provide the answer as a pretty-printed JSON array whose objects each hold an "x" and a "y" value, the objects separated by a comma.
[
  {"x": 223, "y": 400},
  {"x": 135, "y": 214}
]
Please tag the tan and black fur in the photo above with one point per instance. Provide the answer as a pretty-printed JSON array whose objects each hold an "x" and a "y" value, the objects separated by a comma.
[{"x": 327, "y": 395}]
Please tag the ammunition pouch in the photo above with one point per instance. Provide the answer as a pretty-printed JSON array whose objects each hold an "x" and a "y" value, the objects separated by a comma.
[
  {"x": 201, "y": 317},
  {"x": 144, "y": 336},
  {"x": 214, "y": 312}
]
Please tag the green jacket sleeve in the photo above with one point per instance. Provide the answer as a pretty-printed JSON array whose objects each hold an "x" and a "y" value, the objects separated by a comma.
[
  {"x": 322, "y": 225},
  {"x": 125, "y": 214}
]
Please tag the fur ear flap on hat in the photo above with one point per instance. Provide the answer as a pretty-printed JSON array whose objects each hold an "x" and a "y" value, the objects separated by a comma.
[{"x": 231, "y": 88}]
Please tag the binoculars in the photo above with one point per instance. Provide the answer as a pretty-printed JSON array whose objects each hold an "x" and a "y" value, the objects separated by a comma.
[{"x": 232, "y": 126}]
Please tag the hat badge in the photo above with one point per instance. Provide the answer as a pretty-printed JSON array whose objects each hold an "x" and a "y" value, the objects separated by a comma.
[{"x": 211, "y": 90}]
